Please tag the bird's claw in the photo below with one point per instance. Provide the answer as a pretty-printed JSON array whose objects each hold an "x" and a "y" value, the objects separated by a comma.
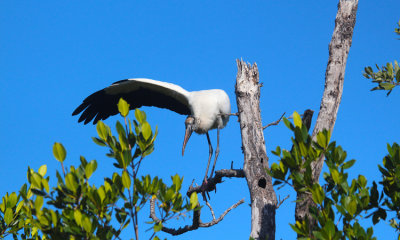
[{"x": 204, "y": 187}]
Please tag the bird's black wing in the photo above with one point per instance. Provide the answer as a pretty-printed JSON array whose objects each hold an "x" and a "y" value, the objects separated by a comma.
[{"x": 137, "y": 92}]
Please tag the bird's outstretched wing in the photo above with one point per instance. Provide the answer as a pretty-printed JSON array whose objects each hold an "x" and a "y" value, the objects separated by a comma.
[{"x": 137, "y": 92}]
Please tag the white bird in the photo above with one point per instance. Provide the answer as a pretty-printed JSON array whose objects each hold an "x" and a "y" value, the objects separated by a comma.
[{"x": 206, "y": 109}]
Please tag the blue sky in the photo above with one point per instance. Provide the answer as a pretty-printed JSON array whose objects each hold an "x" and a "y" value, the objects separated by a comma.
[{"x": 55, "y": 53}]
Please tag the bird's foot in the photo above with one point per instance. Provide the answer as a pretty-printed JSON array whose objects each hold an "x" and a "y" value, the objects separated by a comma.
[
  {"x": 204, "y": 185},
  {"x": 204, "y": 192}
]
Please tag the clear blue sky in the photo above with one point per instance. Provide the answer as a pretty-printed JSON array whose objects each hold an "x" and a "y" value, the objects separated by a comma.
[{"x": 55, "y": 53}]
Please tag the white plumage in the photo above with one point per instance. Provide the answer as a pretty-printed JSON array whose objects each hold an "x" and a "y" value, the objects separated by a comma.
[
  {"x": 206, "y": 109},
  {"x": 211, "y": 108}
]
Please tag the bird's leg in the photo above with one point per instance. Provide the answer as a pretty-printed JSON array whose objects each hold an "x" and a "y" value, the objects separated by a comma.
[
  {"x": 216, "y": 154},
  {"x": 209, "y": 157}
]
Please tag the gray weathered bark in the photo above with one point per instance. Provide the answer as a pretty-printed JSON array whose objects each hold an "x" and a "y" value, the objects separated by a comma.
[
  {"x": 334, "y": 77},
  {"x": 262, "y": 195}
]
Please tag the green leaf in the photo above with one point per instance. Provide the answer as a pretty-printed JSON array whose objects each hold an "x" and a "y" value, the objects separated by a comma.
[
  {"x": 300, "y": 228},
  {"x": 120, "y": 128},
  {"x": 140, "y": 116},
  {"x": 43, "y": 220},
  {"x": 42, "y": 170},
  {"x": 38, "y": 192},
  {"x": 53, "y": 218},
  {"x": 387, "y": 86},
  {"x": 146, "y": 130},
  {"x": 176, "y": 180},
  {"x": 71, "y": 182},
  {"x": 122, "y": 136},
  {"x": 87, "y": 224},
  {"x": 303, "y": 149},
  {"x": 368, "y": 70},
  {"x": 8, "y": 216},
  {"x": 321, "y": 140},
  {"x": 99, "y": 142},
  {"x": 362, "y": 181},
  {"x": 126, "y": 158},
  {"x": 318, "y": 235},
  {"x": 193, "y": 200},
  {"x": 318, "y": 194},
  {"x": 38, "y": 203},
  {"x": 102, "y": 130},
  {"x": 157, "y": 227},
  {"x": 59, "y": 152},
  {"x": 288, "y": 124},
  {"x": 330, "y": 229},
  {"x": 36, "y": 180},
  {"x": 126, "y": 180},
  {"x": 102, "y": 193},
  {"x": 277, "y": 151},
  {"x": 297, "y": 120},
  {"x": 389, "y": 67},
  {"x": 90, "y": 168},
  {"x": 349, "y": 164},
  {"x": 124, "y": 142},
  {"x": 374, "y": 194},
  {"x": 352, "y": 206},
  {"x": 123, "y": 107},
  {"x": 335, "y": 176},
  {"x": 12, "y": 200},
  {"x": 384, "y": 171}
]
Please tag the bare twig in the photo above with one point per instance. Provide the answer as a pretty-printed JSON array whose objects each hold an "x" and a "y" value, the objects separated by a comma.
[
  {"x": 276, "y": 122},
  {"x": 196, "y": 219},
  {"x": 212, "y": 182},
  {"x": 62, "y": 166},
  {"x": 211, "y": 210},
  {"x": 280, "y": 202}
]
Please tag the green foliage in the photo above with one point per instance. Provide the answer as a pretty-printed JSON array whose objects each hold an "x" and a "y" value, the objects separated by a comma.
[
  {"x": 389, "y": 199},
  {"x": 76, "y": 209},
  {"x": 339, "y": 200},
  {"x": 387, "y": 77},
  {"x": 294, "y": 167}
]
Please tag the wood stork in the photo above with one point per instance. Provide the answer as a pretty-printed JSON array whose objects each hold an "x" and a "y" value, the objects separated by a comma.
[{"x": 206, "y": 109}]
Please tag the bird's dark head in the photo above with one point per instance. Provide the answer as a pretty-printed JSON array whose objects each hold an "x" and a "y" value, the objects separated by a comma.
[{"x": 190, "y": 127}]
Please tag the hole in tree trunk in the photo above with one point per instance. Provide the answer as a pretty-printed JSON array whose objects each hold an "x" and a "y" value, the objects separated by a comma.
[{"x": 262, "y": 183}]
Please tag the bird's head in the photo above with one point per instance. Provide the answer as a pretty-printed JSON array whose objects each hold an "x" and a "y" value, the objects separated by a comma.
[{"x": 190, "y": 125}]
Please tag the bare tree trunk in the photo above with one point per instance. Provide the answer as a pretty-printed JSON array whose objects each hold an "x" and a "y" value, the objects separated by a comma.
[
  {"x": 334, "y": 77},
  {"x": 263, "y": 198}
]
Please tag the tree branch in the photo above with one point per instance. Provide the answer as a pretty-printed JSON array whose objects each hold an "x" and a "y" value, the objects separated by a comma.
[
  {"x": 334, "y": 77},
  {"x": 196, "y": 219},
  {"x": 212, "y": 182},
  {"x": 281, "y": 201},
  {"x": 276, "y": 122}
]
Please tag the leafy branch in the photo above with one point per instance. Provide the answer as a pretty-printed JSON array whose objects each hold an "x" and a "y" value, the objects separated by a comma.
[{"x": 387, "y": 77}]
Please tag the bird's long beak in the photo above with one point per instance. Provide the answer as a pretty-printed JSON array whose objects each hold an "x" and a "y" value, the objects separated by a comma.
[{"x": 188, "y": 133}]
